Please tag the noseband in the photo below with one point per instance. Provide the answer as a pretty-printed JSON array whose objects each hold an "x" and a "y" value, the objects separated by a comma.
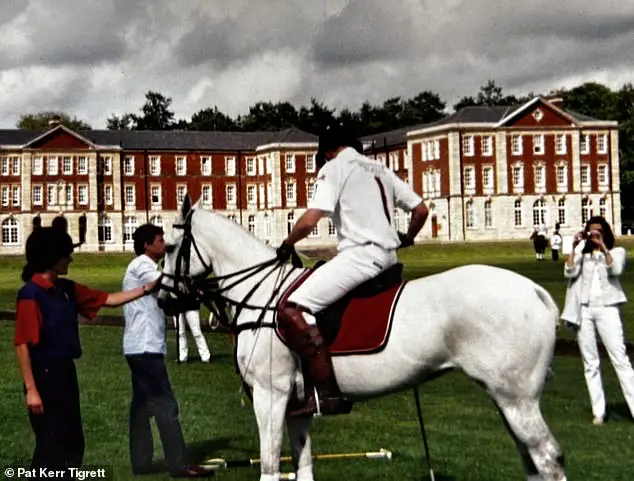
[{"x": 207, "y": 291}]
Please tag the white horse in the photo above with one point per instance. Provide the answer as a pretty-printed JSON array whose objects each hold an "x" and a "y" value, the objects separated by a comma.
[{"x": 496, "y": 326}]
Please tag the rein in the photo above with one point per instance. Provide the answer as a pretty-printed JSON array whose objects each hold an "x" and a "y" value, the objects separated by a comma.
[{"x": 206, "y": 290}]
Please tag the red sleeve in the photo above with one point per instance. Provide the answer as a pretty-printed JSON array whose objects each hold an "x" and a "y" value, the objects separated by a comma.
[
  {"x": 27, "y": 322},
  {"x": 89, "y": 301}
]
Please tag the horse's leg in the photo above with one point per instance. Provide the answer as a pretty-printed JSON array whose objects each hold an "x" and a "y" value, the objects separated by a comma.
[
  {"x": 525, "y": 420},
  {"x": 299, "y": 435},
  {"x": 269, "y": 405}
]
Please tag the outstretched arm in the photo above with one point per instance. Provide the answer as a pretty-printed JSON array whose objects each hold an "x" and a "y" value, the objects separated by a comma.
[{"x": 304, "y": 226}]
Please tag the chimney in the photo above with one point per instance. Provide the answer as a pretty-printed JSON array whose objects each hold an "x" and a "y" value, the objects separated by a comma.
[{"x": 54, "y": 122}]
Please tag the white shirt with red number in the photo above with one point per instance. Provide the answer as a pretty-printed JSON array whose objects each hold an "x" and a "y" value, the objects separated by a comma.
[{"x": 360, "y": 194}]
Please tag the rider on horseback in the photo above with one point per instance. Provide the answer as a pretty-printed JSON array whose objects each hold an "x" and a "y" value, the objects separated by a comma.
[{"x": 359, "y": 194}]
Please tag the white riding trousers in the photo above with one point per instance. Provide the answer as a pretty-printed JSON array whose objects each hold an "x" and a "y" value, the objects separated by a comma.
[
  {"x": 192, "y": 319},
  {"x": 606, "y": 320},
  {"x": 347, "y": 270}
]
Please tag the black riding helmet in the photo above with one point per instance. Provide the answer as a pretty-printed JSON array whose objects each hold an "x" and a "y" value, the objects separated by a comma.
[
  {"x": 44, "y": 247},
  {"x": 332, "y": 137}
]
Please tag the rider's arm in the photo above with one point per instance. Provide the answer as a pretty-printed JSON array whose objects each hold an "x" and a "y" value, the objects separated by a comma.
[
  {"x": 304, "y": 225},
  {"x": 410, "y": 201},
  {"x": 419, "y": 216}
]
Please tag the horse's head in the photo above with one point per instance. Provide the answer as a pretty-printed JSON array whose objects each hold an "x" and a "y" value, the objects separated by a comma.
[{"x": 185, "y": 263}]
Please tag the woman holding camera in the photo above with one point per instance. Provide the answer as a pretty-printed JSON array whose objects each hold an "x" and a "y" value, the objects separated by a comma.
[{"x": 597, "y": 266}]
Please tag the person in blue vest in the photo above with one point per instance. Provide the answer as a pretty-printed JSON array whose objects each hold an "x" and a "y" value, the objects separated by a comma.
[{"x": 47, "y": 344}]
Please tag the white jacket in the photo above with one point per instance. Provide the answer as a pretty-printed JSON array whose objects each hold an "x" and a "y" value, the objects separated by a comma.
[{"x": 579, "y": 276}]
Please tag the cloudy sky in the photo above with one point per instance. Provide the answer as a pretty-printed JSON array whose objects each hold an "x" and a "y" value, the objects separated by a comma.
[{"x": 93, "y": 58}]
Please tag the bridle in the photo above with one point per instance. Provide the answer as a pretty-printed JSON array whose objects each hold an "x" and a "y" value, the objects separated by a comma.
[{"x": 206, "y": 290}]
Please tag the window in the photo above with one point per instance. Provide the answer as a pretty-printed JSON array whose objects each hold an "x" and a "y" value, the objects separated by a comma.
[
  {"x": 107, "y": 194},
  {"x": 155, "y": 165},
  {"x": 487, "y": 145},
  {"x": 290, "y": 192},
  {"x": 230, "y": 191},
  {"x": 252, "y": 197},
  {"x": 269, "y": 164},
  {"x": 469, "y": 178},
  {"x": 52, "y": 166},
  {"x": 10, "y": 232},
  {"x": 181, "y": 190},
  {"x": 332, "y": 232},
  {"x": 585, "y": 175},
  {"x": 539, "y": 212},
  {"x": 267, "y": 226},
  {"x": 585, "y": 144},
  {"x": 562, "y": 177},
  {"x": 128, "y": 165},
  {"x": 540, "y": 177},
  {"x": 517, "y": 213},
  {"x": 15, "y": 195},
  {"x": 561, "y": 211},
  {"x": 181, "y": 165},
  {"x": 290, "y": 163},
  {"x": 310, "y": 162},
  {"x": 251, "y": 223},
  {"x": 37, "y": 195},
  {"x": 15, "y": 165},
  {"x": 107, "y": 165},
  {"x": 37, "y": 168},
  {"x": 261, "y": 196},
  {"x": 51, "y": 194},
  {"x": 261, "y": 165},
  {"x": 602, "y": 143},
  {"x": 602, "y": 171},
  {"x": 157, "y": 220},
  {"x": 232, "y": 217},
  {"x": 155, "y": 195},
  {"x": 4, "y": 166},
  {"x": 82, "y": 165},
  {"x": 206, "y": 195},
  {"x": 560, "y": 144},
  {"x": 436, "y": 149},
  {"x": 290, "y": 222},
  {"x": 517, "y": 172},
  {"x": 251, "y": 166},
  {"x": 488, "y": 215},
  {"x": 129, "y": 226},
  {"x": 69, "y": 195},
  {"x": 487, "y": 178},
  {"x": 5, "y": 195},
  {"x": 538, "y": 144},
  {"x": 310, "y": 189},
  {"x": 314, "y": 232},
  {"x": 205, "y": 165},
  {"x": 129, "y": 196},
  {"x": 470, "y": 211},
  {"x": 586, "y": 210},
  {"x": 67, "y": 165},
  {"x": 602, "y": 207},
  {"x": 516, "y": 145},
  {"x": 394, "y": 160},
  {"x": 82, "y": 194},
  {"x": 269, "y": 195},
  {"x": 467, "y": 145},
  {"x": 230, "y": 165}
]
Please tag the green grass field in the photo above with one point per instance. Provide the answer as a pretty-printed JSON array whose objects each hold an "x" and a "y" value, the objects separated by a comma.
[{"x": 467, "y": 439}]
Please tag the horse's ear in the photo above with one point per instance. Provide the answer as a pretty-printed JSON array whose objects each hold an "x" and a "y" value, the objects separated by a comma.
[{"x": 186, "y": 207}]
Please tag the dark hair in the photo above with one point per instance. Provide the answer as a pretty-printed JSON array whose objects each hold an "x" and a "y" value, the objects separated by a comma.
[
  {"x": 145, "y": 234},
  {"x": 44, "y": 248},
  {"x": 608, "y": 235}
]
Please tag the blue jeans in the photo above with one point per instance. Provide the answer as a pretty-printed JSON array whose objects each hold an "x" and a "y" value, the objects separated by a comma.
[{"x": 152, "y": 396}]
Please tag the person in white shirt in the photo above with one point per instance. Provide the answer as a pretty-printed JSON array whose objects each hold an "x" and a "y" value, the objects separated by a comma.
[
  {"x": 556, "y": 242},
  {"x": 360, "y": 195},
  {"x": 191, "y": 319},
  {"x": 599, "y": 295},
  {"x": 144, "y": 349}
]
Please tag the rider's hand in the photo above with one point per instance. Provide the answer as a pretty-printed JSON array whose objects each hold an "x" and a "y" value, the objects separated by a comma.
[
  {"x": 284, "y": 252},
  {"x": 405, "y": 241}
]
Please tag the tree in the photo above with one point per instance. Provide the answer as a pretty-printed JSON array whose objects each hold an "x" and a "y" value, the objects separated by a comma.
[
  {"x": 41, "y": 121},
  {"x": 211, "y": 119},
  {"x": 592, "y": 99},
  {"x": 156, "y": 113},
  {"x": 315, "y": 117},
  {"x": 425, "y": 107},
  {"x": 125, "y": 122},
  {"x": 269, "y": 116}
]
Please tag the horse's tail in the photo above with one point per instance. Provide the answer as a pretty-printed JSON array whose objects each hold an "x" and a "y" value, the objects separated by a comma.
[{"x": 549, "y": 302}]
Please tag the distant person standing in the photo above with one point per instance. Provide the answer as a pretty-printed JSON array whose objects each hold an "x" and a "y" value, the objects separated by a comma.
[
  {"x": 191, "y": 319},
  {"x": 556, "y": 243}
]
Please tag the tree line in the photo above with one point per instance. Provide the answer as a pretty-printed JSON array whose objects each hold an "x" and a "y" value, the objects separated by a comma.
[{"x": 156, "y": 113}]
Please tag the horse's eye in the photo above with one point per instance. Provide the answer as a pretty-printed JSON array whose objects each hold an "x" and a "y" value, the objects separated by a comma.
[{"x": 170, "y": 248}]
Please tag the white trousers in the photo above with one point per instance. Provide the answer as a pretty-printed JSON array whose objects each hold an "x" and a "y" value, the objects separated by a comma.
[
  {"x": 192, "y": 319},
  {"x": 607, "y": 321},
  {"x": 347, "y": 270}
]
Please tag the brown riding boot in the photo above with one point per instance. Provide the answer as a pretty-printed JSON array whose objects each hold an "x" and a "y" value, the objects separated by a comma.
[{"x": 307, "y": 341}]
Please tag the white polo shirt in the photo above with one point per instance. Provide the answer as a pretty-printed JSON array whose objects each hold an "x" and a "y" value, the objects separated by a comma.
[
  {"x": 144, "y": 330},
  {"x": 358, "y": 192}
]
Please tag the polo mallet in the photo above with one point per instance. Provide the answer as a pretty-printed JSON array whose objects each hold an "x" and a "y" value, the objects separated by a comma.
[
  {"x": 219, "y": 463},
  {"x": 423, "y": 433}
]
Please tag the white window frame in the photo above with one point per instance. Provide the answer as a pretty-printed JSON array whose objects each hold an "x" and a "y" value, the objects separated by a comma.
[
  {"x": 310, "y": 163},
  {"x": 130, "y": 224},
  {"x": 586, "y": 172},
  {"x": 488, "y": 214},
  {"x": 159, "y": 195},
  {"x": 15, "y": 195},
  {"x": 230, "y": 194},
  {"x": 290, "y": 187},
  {"x": 251, "y": 167},
  {"x": 469, "y": 178},
  {"x": 605, "y": 181},
  {"x": 181, "y": 165},
  {"x": 69, "y": 200},
  {"x": 107, "y": 164},
  {"x": 181, "y": 193},
  {"x": 82, "y": 188},
  {"x": 37, "y": 165},
  {"x": 104, "y": 229},
  {"x": 155, "y": 165},
  {"x": 562, "y": 184},
  {"x": 128, "y": 165},
  {"x": 517, "y": 183},
  {"x": 51, "y": 195},
  {"x": 602, "y": 143},
  {"x": 561, "y": 211},
  {"x": 470, "y": 215},
  {"x": 518, "y": 213},
  {"x": 230, "y": 166},
  {"x": 129, "y": 195},
  {"x": 37, "y": 192},
  {"x": 487, "y": 145},
  {"x": 517, "y": 145},
  {"x": 261, "y": 165},
  {"x": 561, "y": 144},
  {"x": 289, "y": 163},
  {"x": 82, "y": 165},
  {"x": 251, "y": 225},
  {"x": 5, "y": 166},
  {"x": 310, "y": 189},
  {"x": 6, "y": 194},
  {"x": 488, "y": 186},
  {"x": 539, "y": 144},
  {"x": 205, "y": 165},
  {"x": 10, "y": 231},
  {"x": 67, "y": 167},
  {"x": 207, "y": 200},
  {"x": 584, "y": 144},
  {"x": 108, "y": 196},
  {"x": 539, "y": 173},
  {"x": 252, "y": 194},
  {"x": 15, "y": 161},
  {"x": 52, "y": 165},
  {"x": 468, "y": 145}
]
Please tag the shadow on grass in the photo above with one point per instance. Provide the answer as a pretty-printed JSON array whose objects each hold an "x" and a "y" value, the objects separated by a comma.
[
  {"x": 619, "y": 412},
  {"x": 200, "y": 451}
]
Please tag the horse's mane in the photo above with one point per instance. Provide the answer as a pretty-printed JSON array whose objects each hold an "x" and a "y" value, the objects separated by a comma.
[{"x": 239, "y": 237}]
